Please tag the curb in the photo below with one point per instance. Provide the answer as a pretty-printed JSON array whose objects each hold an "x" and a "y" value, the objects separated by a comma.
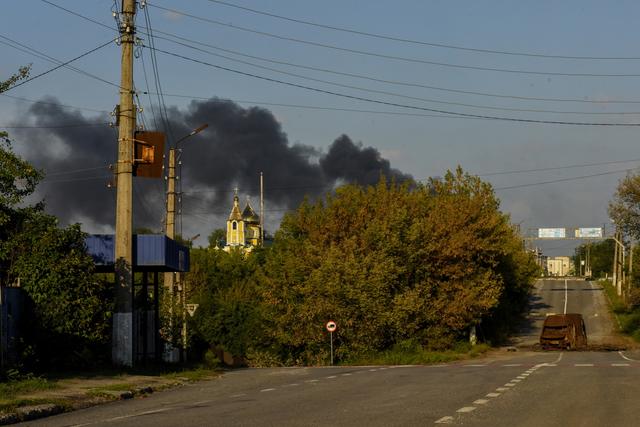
[{"x": 34, "y": 412}]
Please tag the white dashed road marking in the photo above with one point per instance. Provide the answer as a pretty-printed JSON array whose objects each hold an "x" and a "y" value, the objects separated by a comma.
[
  {"x": 266, "y": 389},
  {"x": 513, "y": 383},
  {"x": 620, "y": 364},
  {"x": 583, "y": 364}
]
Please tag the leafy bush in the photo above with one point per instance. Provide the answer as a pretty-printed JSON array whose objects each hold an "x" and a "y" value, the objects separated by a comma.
[{"x": 392, "y": 263}]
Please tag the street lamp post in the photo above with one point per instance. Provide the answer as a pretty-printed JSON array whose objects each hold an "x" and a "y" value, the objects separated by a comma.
[{"x": 171, "y": 278}]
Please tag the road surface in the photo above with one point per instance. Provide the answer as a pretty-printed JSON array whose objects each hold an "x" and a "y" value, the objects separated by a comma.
[{"x": 521, "y": 388}]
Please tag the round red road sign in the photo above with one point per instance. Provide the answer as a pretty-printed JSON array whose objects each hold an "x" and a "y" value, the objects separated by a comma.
[{"x": 331, "y": 326}]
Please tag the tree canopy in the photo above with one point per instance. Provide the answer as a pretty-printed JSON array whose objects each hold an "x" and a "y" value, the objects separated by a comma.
[{"x": 390, "y": 263}]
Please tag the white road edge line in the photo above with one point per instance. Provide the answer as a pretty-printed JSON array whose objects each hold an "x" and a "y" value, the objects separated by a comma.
[{"x": 625, "y": 357}]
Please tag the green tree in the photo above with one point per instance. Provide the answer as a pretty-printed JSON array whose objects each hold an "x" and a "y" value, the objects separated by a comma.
[
  {"x": 624, "y": 208},
  {"x": 229, "y": 312},
  {"x": 600, "y": 254},
  {"x": 217, "y": 238},
  {"x": 69, "y": 309},
  {"x": 390, "y": 263}
]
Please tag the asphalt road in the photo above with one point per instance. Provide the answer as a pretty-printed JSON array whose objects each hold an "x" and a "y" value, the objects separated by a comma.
[{"x": 521, "y": 388}]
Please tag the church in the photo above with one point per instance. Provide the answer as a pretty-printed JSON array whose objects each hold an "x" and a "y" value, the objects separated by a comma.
[{"x": 244, "y": 230}]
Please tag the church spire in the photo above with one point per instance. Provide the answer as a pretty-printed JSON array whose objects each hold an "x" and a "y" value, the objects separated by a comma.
[{"x": 235, "y": 211}]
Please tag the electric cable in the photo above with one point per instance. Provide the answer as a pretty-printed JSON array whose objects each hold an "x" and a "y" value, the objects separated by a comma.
[
  {"x": 392, "y": 57},
  {"x": 395, "y": 94},
  {"x": 553, "y": 181},
  {"x": 558, "y": 167},
  {"x": 146, "y": 82},
  {"x": 468, "y": 92},
  {"x": 34, "y": 52},
  {"x": 393, "y": 104},
  {"x": 72, "y": 125},
  {"x": 392, "y": 82},
  {"x": 419, "y": 42},
  {"x": 59, "y": 66},
  {"x": 154, "y": 64},
  {"x": 57, "y": 104}
]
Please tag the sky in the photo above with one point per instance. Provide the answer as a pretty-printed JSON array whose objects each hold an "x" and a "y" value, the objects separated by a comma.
[{"x": 314, "y": 94}]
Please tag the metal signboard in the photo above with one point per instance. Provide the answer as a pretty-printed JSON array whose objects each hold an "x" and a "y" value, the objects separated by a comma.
[
  {"x": 552, "y": 233},
  {"x": 589, "y": 233},
  {"x": 191, "y": 309},
  {"x": 149, "y": 149}
]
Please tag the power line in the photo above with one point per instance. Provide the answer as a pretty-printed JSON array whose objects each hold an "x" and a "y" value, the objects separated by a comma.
[
  {"x": 304, "y": 187},
  {"x": 34, "y": 52},
  {"x": 558, "y": 167},
  {"x": 89, "y": 178},
  {"x": 69, "y": 172},
  {"x": 387, "y": 56},
  {"x": 156, "y": 74},
  {"x": 57, "y": 104},
  {"x": 78, "y": 14},
  {"x": 71, "y": 125},
  {"x": 59, "y": 66},
  {"x": 392, "y": 82},
  {"x": 146, "y": 82},
  {"x": 575, "y": 178},
  {"x": 393, "y": 104},
  {"x": 467, "y": 92},
  {"x": 419, "y": 42},
  {"x": 415, "y": 98}
]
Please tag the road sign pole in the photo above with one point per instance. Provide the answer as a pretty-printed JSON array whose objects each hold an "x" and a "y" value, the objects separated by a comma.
[
  {"x": 331, "y": 333},
  {"x": 331, "y": 327}
]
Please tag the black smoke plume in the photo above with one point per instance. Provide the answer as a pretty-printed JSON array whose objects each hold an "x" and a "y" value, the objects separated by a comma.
[{"x": 238, "y": 144}]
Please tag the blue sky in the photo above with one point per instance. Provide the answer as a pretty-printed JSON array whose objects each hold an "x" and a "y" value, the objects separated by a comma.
[{"x": 414, "y": 143}]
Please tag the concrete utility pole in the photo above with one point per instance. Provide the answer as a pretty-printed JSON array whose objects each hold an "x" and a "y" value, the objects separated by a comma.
[
  {"x": 172, "y": 279},
  {"x": 170, "y": 353},
  {"x": 261, "y": 209},
  {"x": 615, "y": 261},
  {"x": 122, "y": 349}
]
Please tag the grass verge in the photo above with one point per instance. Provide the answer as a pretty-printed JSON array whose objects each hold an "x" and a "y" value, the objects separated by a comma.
[
  {"x": 13, "y": 388},
  {"x": 87, "y": 386},
  {"x": 420, "y": 356},
  {"x": 627, "y": 318}
]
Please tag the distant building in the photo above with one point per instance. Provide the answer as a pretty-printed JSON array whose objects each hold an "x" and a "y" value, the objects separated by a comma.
[
  {"x": 243, "y": 228},
  {"x": 559, "y": 266}
]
